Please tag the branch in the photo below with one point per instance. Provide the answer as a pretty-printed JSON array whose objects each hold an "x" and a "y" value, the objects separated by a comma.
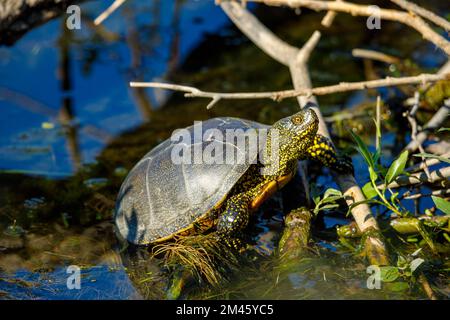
[
  {"x": 105, "y": 14},
  {"x": 17, "y": 17},
  {"x": 374, "y": 55},
  {"x": 419, "y": 177},
  {"x": 283, "y": 94},
  {"x": 439, "y": 21},
  {"x": 427, "y": 163},
  {"x": 434, "y": 123},
  {"x": 374, "y": 246},
  {"x": 406, "y": 18},
  {"x": 438, "y": 148},
  {"x": 259, "y": 34},
  {"x": 329, "y": 18}
]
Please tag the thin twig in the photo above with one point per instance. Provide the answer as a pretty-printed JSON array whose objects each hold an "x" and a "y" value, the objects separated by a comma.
[
  {"x": 408, "y": 196},
  {"x": 283, "y": 94},
  {"x": 328, "y": 19},
  {"x": 411, "y": 117},
  {"x": 432, "y": 124},
  {"x": 419, "y": 177},
  {"x": 413, "y": 21},
  {"x": 374, "y": 55},
  {"x": 437, "y": 20},
  {"x": 426, "y": 287},
  {"x": 105, "y": 14},
  {"x": 428, "y": 162}
]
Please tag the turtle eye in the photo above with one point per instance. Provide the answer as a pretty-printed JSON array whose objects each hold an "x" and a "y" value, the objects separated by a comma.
[{"x": 296, "y": 120}]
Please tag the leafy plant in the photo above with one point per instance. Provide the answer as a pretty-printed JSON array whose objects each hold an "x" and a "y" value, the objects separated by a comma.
[
  {"x": 328, "y": 201},
  {"x": 405, "y": 269},
  {"x": 376, "y": 190},
  {"x": 441, "y": 204}
]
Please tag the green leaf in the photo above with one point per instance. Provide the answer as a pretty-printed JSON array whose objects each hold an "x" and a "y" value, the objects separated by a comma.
[
  {"x": 441, "y": 204},
  {"x": 430, "y": 155},
  {"x": 373, "y": 175},
  {"x": 443, "y": 129},
  {"x": 416, "y": 263},
  {"x": 389, "y": 273},
  {"x": 398, "y": 286},
  {"x": 397, "y": 167},
  {"x": 402, "y": 263},
  {"x": 369, "y": 191},
  {"x": 315, "y": 194},
  {"x": 362, "y": 148},
  {"x": 329, "y": 206},
  {"x": 378, "y": 139},
  {"x": 394, "y": 197},
  {"x": 331, "y": 199},
  {"x": 332, "y": 192}
]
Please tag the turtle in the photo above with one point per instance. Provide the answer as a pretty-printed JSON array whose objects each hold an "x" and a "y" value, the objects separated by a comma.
[{"x": 163, "y": 197}]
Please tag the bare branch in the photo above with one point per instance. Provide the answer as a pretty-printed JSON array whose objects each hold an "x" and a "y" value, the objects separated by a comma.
[
  {"x": 434, "y": 123},
  {"x": 280, "y": 95},
  {"x": 105, "y": 14},
  {"x": 406, "y": 18},
  {"x": 427, "y": 163},
  {"x": 438, "y": 148},
  {"x": 17, "y": 17},
  {"x": 408, "y": 196},
  {"x": 259, "y": 34},
  {"x": 411, "y": 117},
  {"x": 374, "y": 55},
  {"x": 419, "y": 177},
  {"x": 329, "y": 18},
  {"x": 439, "y": 21}
]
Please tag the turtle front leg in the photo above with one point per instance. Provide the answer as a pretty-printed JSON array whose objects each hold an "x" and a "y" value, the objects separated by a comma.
[
  {"x": 233, "y": 220},
  {"x": 322, "y": 150}
]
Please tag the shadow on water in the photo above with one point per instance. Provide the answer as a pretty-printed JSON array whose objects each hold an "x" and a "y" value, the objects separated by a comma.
[{"x": 72, "y": 128}]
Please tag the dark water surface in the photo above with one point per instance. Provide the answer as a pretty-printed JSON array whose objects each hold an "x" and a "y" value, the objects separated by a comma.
[{"x": 71, "y": 128}]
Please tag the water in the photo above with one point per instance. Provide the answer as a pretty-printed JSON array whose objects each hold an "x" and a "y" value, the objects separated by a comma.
[{"x": 71, "y": 128}]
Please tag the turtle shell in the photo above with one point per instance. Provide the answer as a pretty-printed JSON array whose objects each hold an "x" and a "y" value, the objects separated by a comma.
[{"x": 161, "y": 197}]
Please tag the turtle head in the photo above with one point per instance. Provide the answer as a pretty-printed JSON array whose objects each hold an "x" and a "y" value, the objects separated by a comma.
[{"x": 297, "y": 132}]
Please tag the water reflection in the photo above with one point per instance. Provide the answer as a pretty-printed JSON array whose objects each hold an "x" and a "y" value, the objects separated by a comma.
[{"x": 71, "y": 128}]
